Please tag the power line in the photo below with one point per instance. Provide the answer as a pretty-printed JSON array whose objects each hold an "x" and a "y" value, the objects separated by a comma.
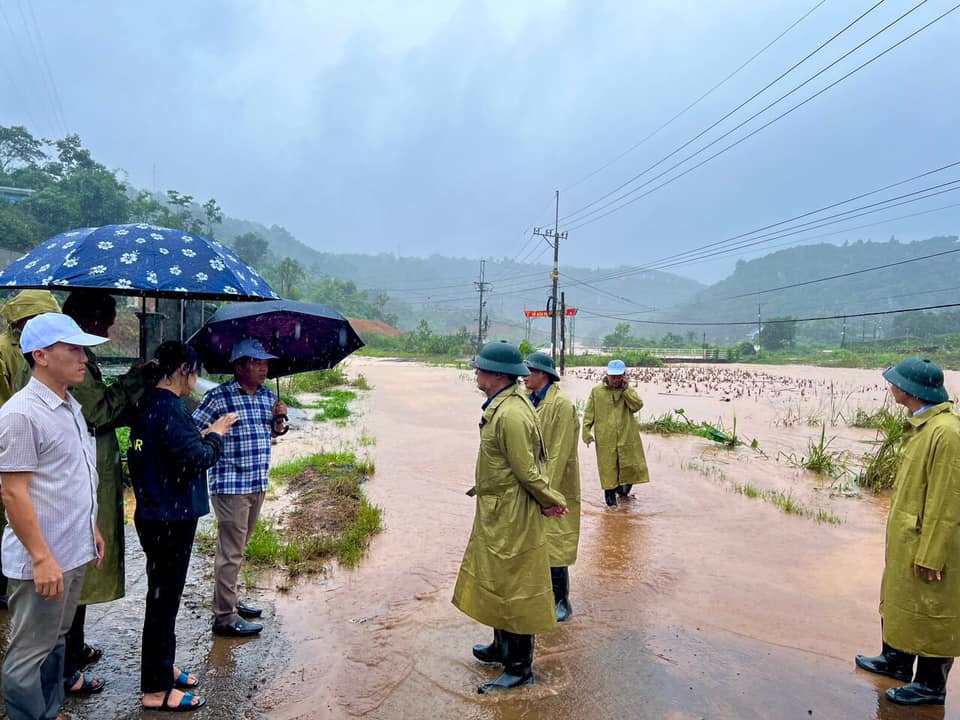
[
  {"x": 732, "y": 145},
  {"x": 696, "y": 102},
  {"x": 45, "y": 66},
  {"x": 731, "y": 112}
]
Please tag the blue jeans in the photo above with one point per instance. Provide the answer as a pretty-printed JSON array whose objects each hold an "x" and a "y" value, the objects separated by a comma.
[{"x": 33, "y": 665}]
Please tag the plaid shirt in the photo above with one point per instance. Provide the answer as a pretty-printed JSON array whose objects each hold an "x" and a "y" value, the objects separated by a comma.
[{"x": 245, "y": 465}]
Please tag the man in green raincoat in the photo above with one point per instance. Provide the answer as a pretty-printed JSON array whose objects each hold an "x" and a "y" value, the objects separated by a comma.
[
  {"x": 560, "y": 425},
  {"x": 105, "y": 408},
  {"x": 22, "y": 307},
  {"x": 504, "y": 579},
  {"x": 920, "y": 591},
  {"x": 609, "y": 419}
]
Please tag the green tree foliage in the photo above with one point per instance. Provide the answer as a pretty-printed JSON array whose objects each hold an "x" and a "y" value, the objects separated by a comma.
[
  {"x": 251, "y": 247},
  {"x": 19, "y": 149},
  {"x": 778, "y": 333},
  {"x": 290, "y": 274},
  {"x": 620, "y": 337}
]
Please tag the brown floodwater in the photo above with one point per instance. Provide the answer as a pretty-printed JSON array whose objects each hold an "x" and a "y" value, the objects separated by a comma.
[{"x": 690, "y": 600}]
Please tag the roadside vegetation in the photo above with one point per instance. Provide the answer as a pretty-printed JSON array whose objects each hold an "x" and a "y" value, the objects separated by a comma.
[{"x": 676, "y": 422}]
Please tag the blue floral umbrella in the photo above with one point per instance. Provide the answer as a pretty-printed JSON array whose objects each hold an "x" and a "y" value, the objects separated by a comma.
[{"x": 138, "y": 259}]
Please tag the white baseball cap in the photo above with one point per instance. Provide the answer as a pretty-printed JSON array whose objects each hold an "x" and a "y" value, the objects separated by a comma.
[
  {"x": 49, "y": 329},
  {"x": 616, "y": 367},
  {"x": 251, "y": 348}
]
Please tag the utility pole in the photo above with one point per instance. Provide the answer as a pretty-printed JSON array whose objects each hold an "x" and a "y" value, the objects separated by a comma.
[
  {"x": 563, "y": 333},
  {"x": 843, "y": 333},
  {"x": 759, "y": 331},
  {"x": 481, "y": 288},
  {"x": 556, "y": 236}
]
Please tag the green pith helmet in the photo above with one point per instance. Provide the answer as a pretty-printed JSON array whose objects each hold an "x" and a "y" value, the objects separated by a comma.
[
  {"x": 918, "y": 377},
  {"x": 544, "y": 363},
  {"x": 501, "y": 357}
]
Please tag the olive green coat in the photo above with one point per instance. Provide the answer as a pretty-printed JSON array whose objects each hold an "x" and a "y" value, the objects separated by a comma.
[
  {"x": 11, "y": 360},
  {"x": 609, "y": 421},
  {"x": 504, "y": 579},
  {"x": 105, "y": 409},
  {"x": 560, "y": 425},
  {"x": 923, "y": 528}
]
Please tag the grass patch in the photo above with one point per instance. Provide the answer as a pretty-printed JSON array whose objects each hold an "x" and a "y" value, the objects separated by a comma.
[
  {"x": 331, "y": 517},
  {"x": 360, "y": 382},
  {"x": 317, "y": 380},
  {"x": 883, "y": 419},
  {"x": 880, "y": 469},
  {"x": 677, "y": 423},
  {"x": 333, "y": 405},
  {"x": 749, "y": 490}
]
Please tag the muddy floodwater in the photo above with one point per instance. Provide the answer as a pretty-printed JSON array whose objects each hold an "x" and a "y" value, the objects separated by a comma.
[{"x": 691, "y": 600}]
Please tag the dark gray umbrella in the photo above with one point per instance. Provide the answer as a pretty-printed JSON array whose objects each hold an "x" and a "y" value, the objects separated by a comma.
[{"x": 303, "y": 336}]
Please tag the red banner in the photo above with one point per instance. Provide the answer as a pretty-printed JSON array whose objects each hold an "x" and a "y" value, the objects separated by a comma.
[{"x": 571, "y": 311}]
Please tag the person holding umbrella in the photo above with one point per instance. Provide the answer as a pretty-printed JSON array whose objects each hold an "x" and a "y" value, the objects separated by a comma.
[{"x": 238, "y": 482}]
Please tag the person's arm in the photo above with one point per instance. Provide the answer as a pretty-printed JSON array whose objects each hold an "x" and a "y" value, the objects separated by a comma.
[
  {"x": 47, "y": 575},
  {"x": 210, "y": 408},
  {"x": 195, "y": 452},
  {"x": 563, "y": 439},
  {"x": 6, "y": 381},
  {"x": 588, "y": 421},
  {"x": 107, "y": 407},
  {"x": 632, "y": 399},
  {"x": 941, "y": 507},
  {"x": 514, "y": 434}
]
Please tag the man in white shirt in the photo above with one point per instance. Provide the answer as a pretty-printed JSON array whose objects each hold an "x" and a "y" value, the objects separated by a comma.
[{"x": 48, "y": 473}]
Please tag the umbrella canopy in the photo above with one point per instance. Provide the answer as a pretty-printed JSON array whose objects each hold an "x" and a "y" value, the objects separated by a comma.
[
  {"x": 139, "y": 259},
  {"x": 303, "y": 336}
]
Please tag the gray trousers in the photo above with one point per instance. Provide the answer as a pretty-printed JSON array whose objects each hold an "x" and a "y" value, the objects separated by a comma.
[
  {"x": 236, "y": 518},
  {"x": 33, "y": 665}
]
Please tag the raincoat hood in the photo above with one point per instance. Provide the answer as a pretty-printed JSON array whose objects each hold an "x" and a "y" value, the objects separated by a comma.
[{"x": 29, "y": 303}]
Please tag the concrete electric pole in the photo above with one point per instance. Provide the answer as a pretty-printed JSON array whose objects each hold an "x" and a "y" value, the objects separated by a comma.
[{"x": 553, "y": 237}]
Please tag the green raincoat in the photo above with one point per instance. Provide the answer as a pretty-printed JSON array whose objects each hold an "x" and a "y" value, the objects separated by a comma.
[
  {"x": 923, "y": 528},
  {"x": 609, "y": 421},
  {"x": 504, "y": 579},
  {"x": 560, "y": 425},
  {"x": 26, "y": 304},
  {"x": 105, "y": 409}
]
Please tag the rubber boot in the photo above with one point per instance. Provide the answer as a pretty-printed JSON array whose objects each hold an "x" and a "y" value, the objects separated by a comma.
[
  {"x": 929, "y": 686},
  {"x": 890, "y": 662},
  {"x": 518, "y": 668},
  {"x": 492, "y": 653},
  {"x": 611, "y": 497},
  {"x": 624, "y": 490},
  {"x": 560, "y": 576}
]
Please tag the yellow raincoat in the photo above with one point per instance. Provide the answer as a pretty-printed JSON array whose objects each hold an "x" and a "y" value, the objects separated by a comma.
[
  {"x": 504, "y": 579},
  {"x": 923, "y": 528},
  {"x": 609, "y": 420},
  {"x": 25, "y": 304},
  {"x": 105, "y": 409},
  {"x": 559, "y": 424}
]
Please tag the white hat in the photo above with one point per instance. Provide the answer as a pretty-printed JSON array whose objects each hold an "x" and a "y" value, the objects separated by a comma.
[
  {"x": 616, "y": 367},
  {"x": 49, "y": 329},
  {"x": 250, "y": 348}
]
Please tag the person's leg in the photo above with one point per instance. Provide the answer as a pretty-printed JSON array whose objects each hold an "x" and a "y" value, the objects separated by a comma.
[
  {"x": 492, "y": 653},
  {"x": 232, "y": 522},
  {"x": 73, "y": 648},
  {"x": 560, "y": 579},
  {"x": 929, "y": 686},
  {"x": 33, "y": 664},
  {"x": 890, "y": 662},
  {"x": 517, "y": 665},
  {"x": 254, "y": 502},
  {"x": 167, "y": 546}
]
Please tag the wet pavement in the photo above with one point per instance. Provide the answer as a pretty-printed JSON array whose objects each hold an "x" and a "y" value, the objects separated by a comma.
[{"x": 690, "y": 600}]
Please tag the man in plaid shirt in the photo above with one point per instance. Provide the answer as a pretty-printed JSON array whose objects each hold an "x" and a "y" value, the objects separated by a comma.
[{"x": 238, "y": 482}]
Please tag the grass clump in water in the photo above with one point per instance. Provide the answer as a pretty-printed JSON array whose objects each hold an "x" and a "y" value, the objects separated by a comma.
[
  {"x": 880, "y": 469},
  {"x": 333, "y": 405}
]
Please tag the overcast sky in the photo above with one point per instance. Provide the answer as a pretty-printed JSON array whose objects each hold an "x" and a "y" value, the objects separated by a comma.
[{"x": 443, "y": 127}]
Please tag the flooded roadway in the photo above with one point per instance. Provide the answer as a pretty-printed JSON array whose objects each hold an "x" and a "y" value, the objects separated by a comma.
[{"x": 690, "y": 601}]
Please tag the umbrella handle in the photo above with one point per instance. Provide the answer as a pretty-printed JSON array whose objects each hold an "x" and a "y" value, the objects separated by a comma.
[{"x": 275, "y": 423}]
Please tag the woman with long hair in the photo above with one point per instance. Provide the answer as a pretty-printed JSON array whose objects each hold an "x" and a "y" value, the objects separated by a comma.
[{"x": 168, "y": 458}]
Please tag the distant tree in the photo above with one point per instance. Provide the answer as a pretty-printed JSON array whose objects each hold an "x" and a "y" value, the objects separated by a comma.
[
  {"x": 251, "y": 247},
  {"x": 778, "y": 333},
  {"x": 620, "y": 337},
  {"x": 19, "y": 149},
  {"x": 213, "y": 215},
  {"x": 145, "y": 208},
  {"x": 289, "y": 274},
  {"x": 18, "y": 229}
]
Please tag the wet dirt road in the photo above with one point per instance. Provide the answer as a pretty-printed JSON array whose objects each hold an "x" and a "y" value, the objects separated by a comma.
[{"x": 690, "y": 601}]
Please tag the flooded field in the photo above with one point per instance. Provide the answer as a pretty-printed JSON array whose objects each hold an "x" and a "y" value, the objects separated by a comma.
[{"x": 691, "y": 600}]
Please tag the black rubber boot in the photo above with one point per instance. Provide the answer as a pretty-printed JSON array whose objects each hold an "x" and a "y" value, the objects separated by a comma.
[
  {"x": 560, "y": 576},
  {"x": 929, "y": 686},
  {"x": 611, "y": 497},
  {"x": 518, "y": 668},
  {"x": 890, "y": 662},
  {"x": 492, "y": 653},
  {"x": 624, "y": 490}
]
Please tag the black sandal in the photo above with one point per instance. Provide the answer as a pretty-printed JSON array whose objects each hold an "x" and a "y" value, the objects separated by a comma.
[
  {"x": 87, "y": 687},
  {"x": 89, "y": 655}
]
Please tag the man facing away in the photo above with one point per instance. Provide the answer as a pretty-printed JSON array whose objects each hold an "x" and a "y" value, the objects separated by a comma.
[
  {"x": 238, "y": 482},
  {"x": 559, "y": 424},
  {"x": 48, "y": 472},
  {"x": 920, "y": 590},
  {"x": 609, "y": 417}
]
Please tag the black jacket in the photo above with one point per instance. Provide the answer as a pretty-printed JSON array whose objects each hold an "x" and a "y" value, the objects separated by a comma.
[{"x": 168, "y": 459}]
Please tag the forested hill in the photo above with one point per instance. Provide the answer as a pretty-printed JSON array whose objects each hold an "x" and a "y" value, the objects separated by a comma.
[{"x": 917, "y": 274}]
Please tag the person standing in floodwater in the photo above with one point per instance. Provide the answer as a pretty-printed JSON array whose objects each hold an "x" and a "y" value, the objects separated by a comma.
[
  {"x": 559, "y": 424},
  {"x": 920, "y": 591},
  {"x": 609, "y": 418},
  {"x": 504, "y": 579}
]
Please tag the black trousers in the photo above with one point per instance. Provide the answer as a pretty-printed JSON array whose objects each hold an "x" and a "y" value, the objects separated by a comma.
[
  {"x": 167, "y": 545},
  {"x": 73, "y": 650}
]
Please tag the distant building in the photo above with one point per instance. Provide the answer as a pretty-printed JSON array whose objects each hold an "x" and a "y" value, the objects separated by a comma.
[{"x": 14, "y": 195}]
